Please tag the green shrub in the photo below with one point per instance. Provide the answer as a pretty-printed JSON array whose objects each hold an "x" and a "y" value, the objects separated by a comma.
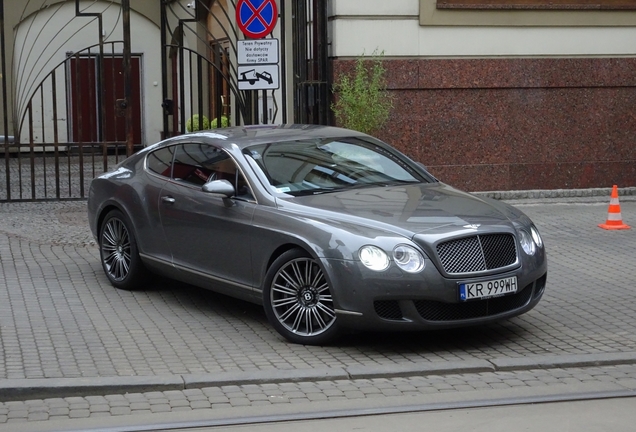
[
  {"x": 362, "y": 102},
  {"x": 225, "y": 122},
  {"x": 194, "y": 124}
]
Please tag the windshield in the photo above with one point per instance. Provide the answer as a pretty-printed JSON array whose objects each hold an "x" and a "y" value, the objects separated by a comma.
[{"x": 319, "y": 166}]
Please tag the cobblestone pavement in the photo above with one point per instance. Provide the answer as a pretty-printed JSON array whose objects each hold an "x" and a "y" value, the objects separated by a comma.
[
  {"x": 73, "y": 346},
  {"x": 263, "y": 395}
]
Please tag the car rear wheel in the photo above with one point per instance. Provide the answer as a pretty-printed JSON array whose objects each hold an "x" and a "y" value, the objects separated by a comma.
[
  {"x": 298, "y": 300},
  {"x": 119, "y": 254}
]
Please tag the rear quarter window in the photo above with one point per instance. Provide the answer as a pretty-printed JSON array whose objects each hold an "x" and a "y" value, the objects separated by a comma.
[{"x": 160, "y": 161}]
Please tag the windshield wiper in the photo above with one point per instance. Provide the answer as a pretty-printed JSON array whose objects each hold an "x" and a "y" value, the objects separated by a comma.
[
  {"x": 343, "y": 188},
  {"x": 313, "y": 191},
  {"x": 400, "y": 182},
  {"x": 362, "y": 185}
]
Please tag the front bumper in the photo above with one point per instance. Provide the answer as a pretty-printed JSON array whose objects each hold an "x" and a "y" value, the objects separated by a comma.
[{"x": 395, "y": 300}]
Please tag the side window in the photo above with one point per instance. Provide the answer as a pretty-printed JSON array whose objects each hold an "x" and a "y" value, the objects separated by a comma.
[
  {"x": 160, "y": 161},
  {"x": 198, "y": 164}
]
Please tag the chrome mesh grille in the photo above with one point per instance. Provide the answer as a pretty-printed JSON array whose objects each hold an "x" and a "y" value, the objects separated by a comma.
[{"x": 477, "y": 253}]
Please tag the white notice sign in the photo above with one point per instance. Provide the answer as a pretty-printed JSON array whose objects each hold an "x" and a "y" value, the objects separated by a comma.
[
  {"x": 258, "y": 51},
  {"x": 261, "y": 77}
]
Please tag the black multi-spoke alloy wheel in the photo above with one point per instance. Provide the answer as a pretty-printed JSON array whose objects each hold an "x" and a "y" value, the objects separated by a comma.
[
  {"x": 298, "y": 299},
  {"x": 119, "y": 254}
]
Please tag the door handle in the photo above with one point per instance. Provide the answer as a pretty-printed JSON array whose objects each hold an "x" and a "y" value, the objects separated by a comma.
[{"x": 168, "y": 199}]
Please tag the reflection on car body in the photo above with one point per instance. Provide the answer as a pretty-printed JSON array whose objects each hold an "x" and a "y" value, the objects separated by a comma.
[{"x": 327, "y": 228}]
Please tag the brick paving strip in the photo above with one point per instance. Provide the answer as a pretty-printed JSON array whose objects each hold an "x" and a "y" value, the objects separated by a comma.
[
  {"x": 68, "y": 338},
  {"x": 248, "y": 395},
  {"x": 534, "y": 381}
]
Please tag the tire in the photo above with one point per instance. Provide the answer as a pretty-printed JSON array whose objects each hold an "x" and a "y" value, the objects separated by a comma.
[
  {"x": 119, "y": 254},
  {"x": 298, "y": 300}
]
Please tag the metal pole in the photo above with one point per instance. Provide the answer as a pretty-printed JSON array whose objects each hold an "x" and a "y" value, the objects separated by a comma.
[
  {"x": 4, "y": 99},
  {"x": 264, "y": 96},
  {"x": 322, "y": 56},
  {"x": 125, "y": 6},
  {"x": 283, "y": 64},
  {"x": 164, "y": 69}
]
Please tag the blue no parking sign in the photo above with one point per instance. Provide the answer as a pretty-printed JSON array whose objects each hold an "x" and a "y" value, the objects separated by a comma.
[{"x": 256, "y": 18}]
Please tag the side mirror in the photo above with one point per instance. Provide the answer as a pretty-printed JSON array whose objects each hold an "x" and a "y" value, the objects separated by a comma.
[{"x": 219, "y": 187}]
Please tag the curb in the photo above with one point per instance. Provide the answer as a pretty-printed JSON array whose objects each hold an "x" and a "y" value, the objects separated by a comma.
[
  {"x": 42, "y": 388},
  {"x": 556, "y": 193}
]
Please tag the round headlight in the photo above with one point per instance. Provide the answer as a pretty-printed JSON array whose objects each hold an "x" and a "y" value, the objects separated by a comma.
[
  {"x": 374, "y": 258},
  {"x": 536, "y": 236},
  {"x": 526, "y": 242},
  {"x": 408, "y": 259}
]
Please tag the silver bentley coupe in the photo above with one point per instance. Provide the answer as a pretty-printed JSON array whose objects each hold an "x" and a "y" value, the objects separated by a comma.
[{"x": 327, "y": 228}]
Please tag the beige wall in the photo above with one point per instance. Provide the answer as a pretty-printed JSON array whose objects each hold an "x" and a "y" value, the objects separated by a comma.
[{"x": 415, "y": 28}]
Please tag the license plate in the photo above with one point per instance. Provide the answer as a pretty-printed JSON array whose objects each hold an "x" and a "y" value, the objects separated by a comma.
[{"x": 486, "y": 289}]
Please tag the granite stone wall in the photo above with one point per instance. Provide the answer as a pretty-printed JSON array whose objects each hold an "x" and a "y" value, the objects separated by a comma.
[{"x": 515, "y": 124}]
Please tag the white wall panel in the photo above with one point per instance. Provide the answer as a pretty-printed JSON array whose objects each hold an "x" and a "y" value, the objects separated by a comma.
[
  {"x": 527, "y": 41},
  {"x": 375, "y": 7},
  {"x": 406, "y": 37},
  {"x": 394, "y": 37}
]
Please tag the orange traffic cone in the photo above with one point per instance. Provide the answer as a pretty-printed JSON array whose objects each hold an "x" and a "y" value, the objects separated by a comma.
[{"x": 614, "y": 219}]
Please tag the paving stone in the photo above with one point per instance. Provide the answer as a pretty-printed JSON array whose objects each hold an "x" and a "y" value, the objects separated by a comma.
[
  {"x": 235, "y": 402},
  {"x": 179, "y": 402},
  {"x": 61, "y": 319},
  {"x": 99, "y": 407},
  {"x": 137, "y": 406},
  {"x": 200, "y": 404},
  {"x": 79, "y": 413},
  {"x": 120, "y": 410},
  {"x": 160, "y": 408},
  {"x": 19, "y": 413}
]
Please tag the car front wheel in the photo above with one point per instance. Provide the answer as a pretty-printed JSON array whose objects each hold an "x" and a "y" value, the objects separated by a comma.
[
  {"x": 119, "y": 254},
  {"x": 298, "y": 299}
]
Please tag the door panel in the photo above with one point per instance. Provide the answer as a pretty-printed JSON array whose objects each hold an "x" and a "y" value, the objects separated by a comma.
[
  {"x": 85, "y": 99},
  {"x": 84, "y": 105},
  {"x": 207, "y": 233}
]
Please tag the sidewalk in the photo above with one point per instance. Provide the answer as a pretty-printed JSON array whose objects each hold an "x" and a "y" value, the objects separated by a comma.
[
  {"x": 73, "y": 346},
  {"x": 251, "y": 405}
]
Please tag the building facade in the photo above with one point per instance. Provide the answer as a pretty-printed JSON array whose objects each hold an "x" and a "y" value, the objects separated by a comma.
[{"x": 504, "y": 95}]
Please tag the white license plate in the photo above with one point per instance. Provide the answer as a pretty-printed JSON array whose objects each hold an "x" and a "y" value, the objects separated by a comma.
[{"x": 485, "y": 289}]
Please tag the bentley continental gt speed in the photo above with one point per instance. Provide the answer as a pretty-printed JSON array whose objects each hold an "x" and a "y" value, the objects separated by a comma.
[{"x": 327, "y": 228}]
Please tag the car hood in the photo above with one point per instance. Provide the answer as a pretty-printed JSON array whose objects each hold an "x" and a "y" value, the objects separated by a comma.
[{"x": 434, "y": 208}]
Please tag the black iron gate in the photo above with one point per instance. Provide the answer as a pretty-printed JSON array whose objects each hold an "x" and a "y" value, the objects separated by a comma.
[
  {"x": 311, "y": 52},
  {"x": 84, "y": 114},
  {"x": 201, "y": 83},
  {"x": 76, "y": 122}
]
